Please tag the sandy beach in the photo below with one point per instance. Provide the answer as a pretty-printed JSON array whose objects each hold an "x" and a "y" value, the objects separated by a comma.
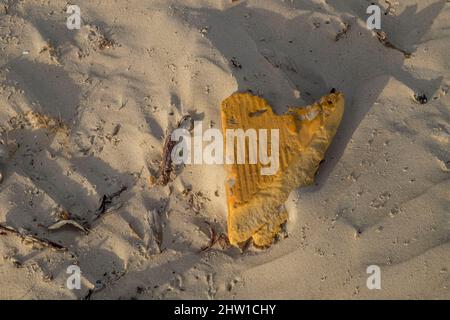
[{"x": 84, "y": 114}]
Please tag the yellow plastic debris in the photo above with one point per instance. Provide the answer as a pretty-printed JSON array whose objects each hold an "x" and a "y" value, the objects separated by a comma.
[{"x": 256, "y": 202}]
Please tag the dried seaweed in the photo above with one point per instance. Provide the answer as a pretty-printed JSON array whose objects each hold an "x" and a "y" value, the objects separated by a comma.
[
  {"x": 99, "y": 40},
  {"x": 62, "y": 223},
  {"x": 52, "y": 52},
  {"x": 31, "y": 239},
  {"x": 106, "y": 43},
  {"x": 390, "y": 8},
  {"x": 244, "y": 246},
  {"x": 223, "y": 241},
  {"x": 107, "y": 203},
  {"x": 196, "y": 201},
  {"x": 382, "y": 37},
  {"x": 37, "y": 121},
  {"x": 343, "y": 32},
  {"x": 166, "y": 166},
  {"x": 213, "y": 238}
]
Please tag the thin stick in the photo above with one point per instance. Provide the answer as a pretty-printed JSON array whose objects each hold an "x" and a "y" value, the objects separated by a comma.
[
  {"x": 107, "y": 202},
  {"x": 382, "y": 37},
  {"x": 343, "y": 32},
  {"x": 213, "y": 238},
  {"x": 166, "y": 166},
  {"x": 30, "y": 238}
]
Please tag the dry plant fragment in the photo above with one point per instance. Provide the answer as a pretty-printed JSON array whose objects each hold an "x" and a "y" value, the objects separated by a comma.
[
  {"x": 223, "y": 241},
  {"x": 35, "y": 121},
  {"x": 213, "y": 238},
  {"x": 382, "y": 37},
  {"x": 65, "y": 219},
  {"x": 62, "y": 223},
  {"x": 166, "y": 166},
  {"x": 108, "y": 203},
  {"x": 343, "y": 32},
  {"x": 390, "y": 9},
  {"x": 99, "y": 40},
  {"x": 52, "y": 51},
  {"x": 30, "y": 239},
  {"x": 105, "y": 43},
  {"x": 256, "y": 202}
]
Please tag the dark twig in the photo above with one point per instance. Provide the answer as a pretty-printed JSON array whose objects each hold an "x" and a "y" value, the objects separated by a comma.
[
  {"x": 343, "y": 32},
  {"x": 382, "y": 37},
  {"x": 213, "y": 238},
  {"x": 223, "y": 241},
  {"x": 107, "y": 203},
  {"x": 166, "y": 166},
  {"x": 244, "y": 246},
  {"x": 28, "y": 238}
]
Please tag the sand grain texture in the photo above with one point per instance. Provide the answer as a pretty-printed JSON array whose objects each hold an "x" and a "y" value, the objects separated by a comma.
[{"x": 103, "y": 97}]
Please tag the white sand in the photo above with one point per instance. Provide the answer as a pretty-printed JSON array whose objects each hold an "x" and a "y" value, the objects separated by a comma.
[{"x": 382, "y": 195}]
